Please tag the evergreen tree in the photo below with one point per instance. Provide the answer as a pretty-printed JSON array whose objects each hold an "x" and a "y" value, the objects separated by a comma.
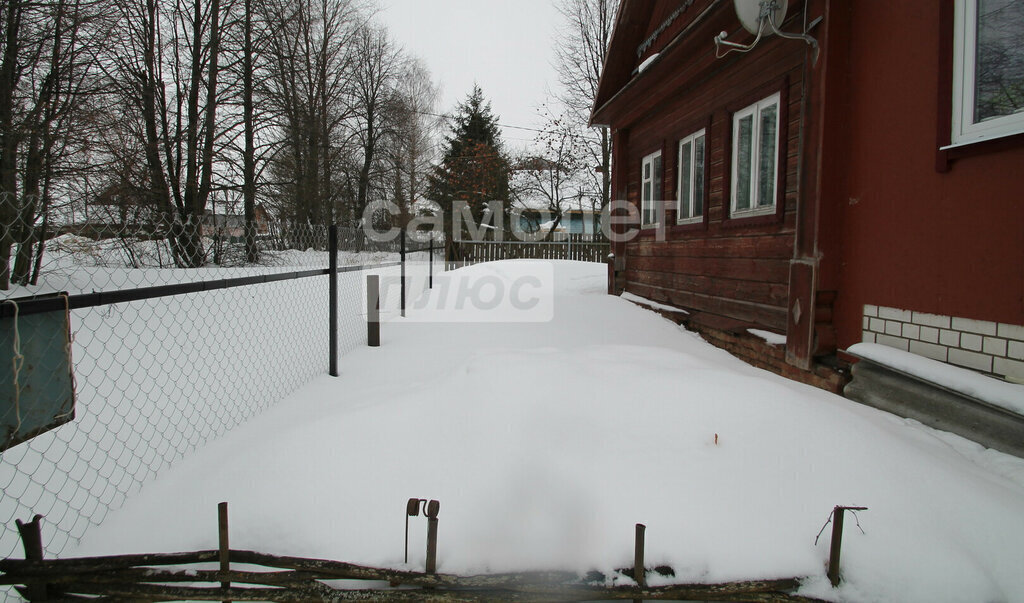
[{"x": 474, "y": 168}]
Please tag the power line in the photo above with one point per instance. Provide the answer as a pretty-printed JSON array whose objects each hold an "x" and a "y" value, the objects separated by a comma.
[{"x": 500, "y": 125}]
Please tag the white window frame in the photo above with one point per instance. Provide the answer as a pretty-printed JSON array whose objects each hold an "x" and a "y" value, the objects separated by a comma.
[
  {"x": 965, "y": 50},
  {"x": 756, "y": 110},
  {"x": 691, "y": 217},
  {"x": 647, "y": 177}
]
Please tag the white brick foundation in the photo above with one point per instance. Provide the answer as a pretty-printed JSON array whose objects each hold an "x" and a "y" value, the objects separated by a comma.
[{"x": 989, "y": 347}]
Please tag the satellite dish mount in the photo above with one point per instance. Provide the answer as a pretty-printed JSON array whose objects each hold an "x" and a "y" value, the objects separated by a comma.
[{"x": 761, "y": 18}]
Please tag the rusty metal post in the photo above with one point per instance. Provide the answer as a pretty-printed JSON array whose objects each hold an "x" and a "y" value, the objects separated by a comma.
[
  {"x": 412, "y": 509},
  {"x": 32, "y": 539},
  {"x": 373, "y": 310},
  {"x": 432, "y": 509},
  {"x": 638, "y": 557},
  {"x": 223, "y": 545},
  {"x": 432, "y": 545}
]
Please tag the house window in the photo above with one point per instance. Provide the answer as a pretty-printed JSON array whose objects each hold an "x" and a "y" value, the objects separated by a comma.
[
  {"x": 988, "y": 70},
  {"x": 651, "y": 189},
  {"x": 691, "y": 179},
  {"x": 755, "y": 152}
]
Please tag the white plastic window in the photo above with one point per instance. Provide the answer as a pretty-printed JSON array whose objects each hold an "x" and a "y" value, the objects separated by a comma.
[{"x": 755, "y": 152}]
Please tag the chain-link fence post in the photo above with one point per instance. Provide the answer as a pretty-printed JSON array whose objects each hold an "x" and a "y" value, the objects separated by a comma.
[
  {"x": 332, "y": 251},
  {"x": 402, "y": 254}
]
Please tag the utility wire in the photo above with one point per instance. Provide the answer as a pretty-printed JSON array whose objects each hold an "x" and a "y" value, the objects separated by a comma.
[{"x": 500, "y": 125}]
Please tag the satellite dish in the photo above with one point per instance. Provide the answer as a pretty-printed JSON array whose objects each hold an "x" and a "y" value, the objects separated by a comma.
[
  {"x": 763, "y": 18},
  {"x": 753, "y": 14}
]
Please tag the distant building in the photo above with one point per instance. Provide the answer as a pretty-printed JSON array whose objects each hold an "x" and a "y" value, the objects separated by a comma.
[{"x": 233, "y": 225}]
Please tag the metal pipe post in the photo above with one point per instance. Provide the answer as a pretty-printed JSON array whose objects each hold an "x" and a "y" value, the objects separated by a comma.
[
  {"x": 432, "y": 545},
  {"x": 638, "y": 557},
  {"x": 402, "y": 248},
  {"x": 332, "y": 278},
  {"x": 373, "y": 310}
]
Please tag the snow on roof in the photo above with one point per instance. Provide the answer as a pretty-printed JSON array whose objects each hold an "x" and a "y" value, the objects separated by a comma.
[{"x": 987, "y": 389}]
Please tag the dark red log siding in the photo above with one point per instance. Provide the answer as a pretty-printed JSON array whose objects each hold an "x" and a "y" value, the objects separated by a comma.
[
  {"x": 913, "y": 237},
  {"x": 734, "y": 268}
]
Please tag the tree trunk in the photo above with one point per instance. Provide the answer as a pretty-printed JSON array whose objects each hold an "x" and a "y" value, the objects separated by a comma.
[
  {"x": 159, "y": 188},
  {"x": 9, "y": 77},
  {"x": 249, "y": 154}
]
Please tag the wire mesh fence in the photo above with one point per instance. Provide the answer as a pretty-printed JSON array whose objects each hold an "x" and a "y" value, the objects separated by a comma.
[{"x": 165, "y": 356}]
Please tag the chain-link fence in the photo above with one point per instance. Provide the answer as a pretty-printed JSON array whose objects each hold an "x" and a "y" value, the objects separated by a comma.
[{"x": 165, "y": 357}]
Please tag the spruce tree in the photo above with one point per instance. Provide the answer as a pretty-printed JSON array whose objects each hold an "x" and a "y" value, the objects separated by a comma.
[{"x": 474, "y": 168}]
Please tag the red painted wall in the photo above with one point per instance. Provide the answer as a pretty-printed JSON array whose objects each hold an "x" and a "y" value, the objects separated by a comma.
[{"x": 912, "y": 237}]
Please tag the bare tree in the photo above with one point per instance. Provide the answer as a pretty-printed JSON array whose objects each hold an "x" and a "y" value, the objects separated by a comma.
[
  {"x": 308, "y": 69},
  {"x": 554, "y": 175},
  {"x": 413, "y": 148},
  {"x": 580, "y": 54},
  {"x": 249, "y": 127},
  {"x": 376, "y": 67},
  {"x": 165, "y": 72},
  {"x": 46, "y": 81}
]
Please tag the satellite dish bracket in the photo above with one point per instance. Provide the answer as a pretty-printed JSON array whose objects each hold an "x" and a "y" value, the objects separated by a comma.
[{"x": 765, "y": 21}]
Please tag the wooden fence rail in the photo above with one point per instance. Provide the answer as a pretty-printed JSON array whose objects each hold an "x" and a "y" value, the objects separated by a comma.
[
  {"x": 582, "y": 248},
  {"x": 140, "y": 577}
]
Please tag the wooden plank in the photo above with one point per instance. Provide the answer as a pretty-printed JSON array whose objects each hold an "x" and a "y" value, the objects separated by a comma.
[
  {"x": 759, "y": 270},
  {"x": 772, "y": 317},
  {"x": 773, "y": 246},
  {"x": 773, "y": 294}
]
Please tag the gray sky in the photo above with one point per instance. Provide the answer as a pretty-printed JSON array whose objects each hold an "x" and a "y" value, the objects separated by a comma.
[{"x": 503, "y": 45}]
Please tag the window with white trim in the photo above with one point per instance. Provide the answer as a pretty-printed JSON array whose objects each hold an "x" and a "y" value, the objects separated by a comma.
[
  {"x": 988, "y": 70},
  {"x": 690, "y": 197},
  {"x": 650, "y": 190},
  {"x": 755, "y": 153}
]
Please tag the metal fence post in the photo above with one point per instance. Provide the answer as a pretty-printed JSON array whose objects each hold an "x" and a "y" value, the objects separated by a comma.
[
  {"x": 402, "y": 251},
  {"x": 639, "y": 573},
  {"x": 430, "y": 278},
  {"x": 373, "y": 310},
  {"x": 332, "y": 244}
]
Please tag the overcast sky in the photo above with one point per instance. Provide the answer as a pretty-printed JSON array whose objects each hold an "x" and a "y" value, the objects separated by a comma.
[{"x": 503, "y": 45}]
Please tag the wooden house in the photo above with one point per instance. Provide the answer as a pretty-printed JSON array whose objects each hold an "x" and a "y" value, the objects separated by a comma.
[{"x": 859, "y": 179}]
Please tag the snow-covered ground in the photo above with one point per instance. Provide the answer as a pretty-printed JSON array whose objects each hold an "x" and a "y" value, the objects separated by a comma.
[{"x": 546, "y": 441}]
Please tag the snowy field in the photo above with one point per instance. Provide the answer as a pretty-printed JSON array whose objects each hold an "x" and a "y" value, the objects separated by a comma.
[
  {"x": 77, "y": 264},
  {"x": 158, "y": 378},
  {"x": 545, "y": 442}
]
